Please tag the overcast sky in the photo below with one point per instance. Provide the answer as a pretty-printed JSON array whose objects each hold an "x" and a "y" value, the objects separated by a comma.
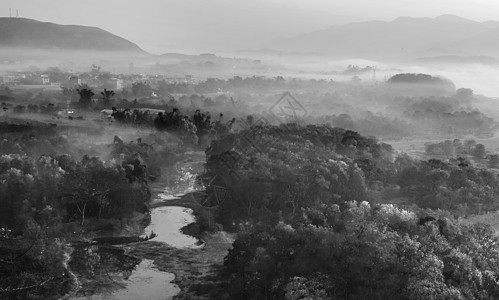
[{"x": 194, "y": 26}]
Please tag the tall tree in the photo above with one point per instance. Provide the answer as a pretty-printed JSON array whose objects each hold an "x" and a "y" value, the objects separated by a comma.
[
  {"x": 106, "y": 96},
  {"x": 86, "y": 95},
  {"x": 479, "y": 151}
]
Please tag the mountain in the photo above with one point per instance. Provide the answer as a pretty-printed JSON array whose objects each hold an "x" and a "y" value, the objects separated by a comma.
[
  {"x": 32, "y": 34},
  {"x": 455, "y": 59},
  {"x": 397, "y": 39},
  {"x": 484, "y": 43}
]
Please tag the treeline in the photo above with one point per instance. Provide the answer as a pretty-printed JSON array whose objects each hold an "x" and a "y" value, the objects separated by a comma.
[
  {"x": 195, "y": 130},
  {"x": 412, "y": 116},
  {"x": 457, "y": 123},
  {"x": 306, "y": 203},
  {"x": 455, "y": 148},
  {"x": 418, "y": 78},
  {"x": 388, "y": 110},
  {"x": 370, "y": 124},
  {"x": 258, "y": 84},
  {"x": 456, "y": 186},
  {"x": 48, "y": 108}
]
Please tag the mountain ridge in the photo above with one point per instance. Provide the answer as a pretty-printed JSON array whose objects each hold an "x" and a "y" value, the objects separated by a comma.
[
  {"x": 33, "y": 34},
  {"x": 398, "y": 38}
]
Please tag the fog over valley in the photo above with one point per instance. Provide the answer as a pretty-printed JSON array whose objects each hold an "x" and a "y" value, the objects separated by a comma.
[{"x": 230, "y": 149}]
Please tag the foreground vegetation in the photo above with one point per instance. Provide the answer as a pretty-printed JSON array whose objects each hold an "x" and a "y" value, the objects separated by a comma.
[
  {"x": 312, "y": 220},
  {"x": 49, "y": 198}
]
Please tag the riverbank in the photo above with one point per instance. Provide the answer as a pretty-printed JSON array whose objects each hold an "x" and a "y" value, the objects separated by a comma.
[
  {"x": 196, "y": 269},
  {"x": 189, "y": 248}
]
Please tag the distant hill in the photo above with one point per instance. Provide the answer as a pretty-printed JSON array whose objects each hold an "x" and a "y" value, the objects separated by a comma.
[
  {"x": 412, "y": 78},
  {"x": 397, "y": 39},
  {"x": 484, "y": 43},
  {"x": 32, "y": 34},
  {"x": 420, "y": 84},
  {"x": 456, "y": 59}
]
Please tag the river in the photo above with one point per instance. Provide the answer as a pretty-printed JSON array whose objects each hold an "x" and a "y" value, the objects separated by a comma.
[{"x": 110, "y": 273}]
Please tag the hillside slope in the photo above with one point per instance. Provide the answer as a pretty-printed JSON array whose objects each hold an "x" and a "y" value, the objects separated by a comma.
[{"x": 33, "y": 34}]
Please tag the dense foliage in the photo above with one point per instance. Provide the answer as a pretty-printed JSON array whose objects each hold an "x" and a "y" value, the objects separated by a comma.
[
  {"x": 196, "y": 129},
  {"x": 268, "y": 169},
  {"x": 304, "y": 200},
  {"x": 361, "y": 252},
  {"x": 418, "y": 78},
  {"x": 456, "y": 186},
  {"x": 44, "y": 196},
  {"x": 455, "y": 148}
]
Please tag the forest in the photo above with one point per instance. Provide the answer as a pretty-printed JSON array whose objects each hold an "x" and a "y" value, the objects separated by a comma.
[
  {"x": 47, "y": 196},
  {"x": 317, "y": 217},
  {"x": 321, "y": 205}
]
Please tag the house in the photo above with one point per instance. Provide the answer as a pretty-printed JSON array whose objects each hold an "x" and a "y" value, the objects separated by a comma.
[
  {"x": 11, "y": 79},
  {"x": 45, "y": 79},
  {"x": 116, "y": 84}
]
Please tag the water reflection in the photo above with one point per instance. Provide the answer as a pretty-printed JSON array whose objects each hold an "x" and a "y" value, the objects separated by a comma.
[
  {"x": 146, "y": 282},
  {"x": 167, "y": 221},
  {"x": 107, "y": 272}
]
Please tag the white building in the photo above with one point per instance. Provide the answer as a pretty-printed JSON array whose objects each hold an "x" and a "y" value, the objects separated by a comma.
[
  {"x": 10, "y": 79},
  {"x": 45, "y": 79},
  {"x": 116, "y": 84}
]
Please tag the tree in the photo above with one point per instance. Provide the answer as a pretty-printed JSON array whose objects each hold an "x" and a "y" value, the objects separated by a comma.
[
  {"x": 449, "y": 149},
  {"x": 69, "y": 93},
  {"x": 6, "y": 91},
  {"x": 479, "y": 151},
  {"x": 86, "y": 95},
  {"x": 56, "y": 74},
  {"x": 494, "y": 161},
  {"x": 464, "y": 96},
  {"x": 141, "y": 89},
  {"x": 164, "y": 88},
  {"x": 355, "y": 79},
  {"x": 344, "y": 121},
  {"x": 469, "y": 145},
  {"x": 357, "y": 189},
  {"x": 106, "y": 96}
]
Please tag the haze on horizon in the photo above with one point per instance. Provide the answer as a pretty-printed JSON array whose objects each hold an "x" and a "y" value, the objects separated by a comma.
[{"x": 220, "y": 26}]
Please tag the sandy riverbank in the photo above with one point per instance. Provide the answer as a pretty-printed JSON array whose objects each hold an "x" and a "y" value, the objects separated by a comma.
[{"x": 197, "y": 268}]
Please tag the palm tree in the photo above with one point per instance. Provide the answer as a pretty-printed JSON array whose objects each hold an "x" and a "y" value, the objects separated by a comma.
[{"x": 106, "y": 96}]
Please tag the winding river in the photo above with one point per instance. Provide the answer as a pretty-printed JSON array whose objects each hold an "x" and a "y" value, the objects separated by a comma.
[{"x": 128, "y": 277}]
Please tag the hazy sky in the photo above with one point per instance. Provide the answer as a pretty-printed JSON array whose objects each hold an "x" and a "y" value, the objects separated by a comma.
[{"x": 195, "y": 26}]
